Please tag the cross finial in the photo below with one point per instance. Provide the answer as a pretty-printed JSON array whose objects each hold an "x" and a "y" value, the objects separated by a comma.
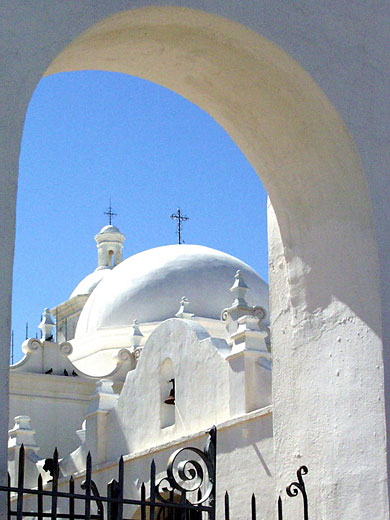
[
  {"x": 179, "y": 219},
  {"x": 110, "y": 213}
]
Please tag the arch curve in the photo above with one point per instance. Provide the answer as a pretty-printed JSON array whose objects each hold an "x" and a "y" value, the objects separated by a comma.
[
  {"x": 277, "y": 115},
  {"x": 325, "y": 302}
]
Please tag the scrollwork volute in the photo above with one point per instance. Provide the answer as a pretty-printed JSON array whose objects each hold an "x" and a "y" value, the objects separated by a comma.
[
  {"x": 123, "y": 355},
  {"x": 260, "y": 313},
  {"x": 137, "y": 353},
  {"x": 66, "y": 348},
  {"x": 225, "y": 315},
  {"x": 297, "y": 487},
  {"x": 193, "y": 476},
  {"x": 31, "y": 345}
]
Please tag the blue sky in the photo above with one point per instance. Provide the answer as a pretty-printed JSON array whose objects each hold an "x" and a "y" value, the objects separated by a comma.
[{"x": 93, "y": 135}]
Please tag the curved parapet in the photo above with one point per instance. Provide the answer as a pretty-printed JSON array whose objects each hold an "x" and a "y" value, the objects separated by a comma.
[
  {"x": 125, "y": 361},
  {"x": 48, "y": 357},
  {"x": 30, "y": 362}
]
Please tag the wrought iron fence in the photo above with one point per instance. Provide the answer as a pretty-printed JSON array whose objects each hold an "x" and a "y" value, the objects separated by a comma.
[{"x": 186, "y": 492}]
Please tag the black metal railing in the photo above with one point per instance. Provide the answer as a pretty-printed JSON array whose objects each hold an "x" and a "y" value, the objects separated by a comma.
[
  {"x": 292, "y": 491},
  {"x": 186, "y": 492}
]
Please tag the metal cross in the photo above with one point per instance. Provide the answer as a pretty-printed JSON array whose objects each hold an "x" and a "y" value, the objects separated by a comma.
[
  {"x": 179, "y": 219},
  {"x": 110, "y": 213}
]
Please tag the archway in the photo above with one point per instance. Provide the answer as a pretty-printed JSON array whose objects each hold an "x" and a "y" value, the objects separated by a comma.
[
  {"x": 308, "y": 163},
  {"x": 110, "y": 122}
]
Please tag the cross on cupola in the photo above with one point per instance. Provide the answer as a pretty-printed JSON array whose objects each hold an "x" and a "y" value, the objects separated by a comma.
[
  {"x": 179, "y": 219},
  {"x": 109, "y": 243},
  {"x": 110, "y": 213}
]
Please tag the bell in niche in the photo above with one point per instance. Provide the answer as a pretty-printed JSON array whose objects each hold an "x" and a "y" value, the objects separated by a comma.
[{"x": 171, "y": 397}]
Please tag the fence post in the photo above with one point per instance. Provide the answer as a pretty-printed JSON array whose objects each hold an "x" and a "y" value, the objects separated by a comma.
[
  {"x": 143, "y": 498},
  {"x": 121, "y": 484},
  {"x": 40, "y": 499},
  {"x": 87, "y": 484},
  {"x": 9, "y": 498},
  {"x": 152, "y": 489},
  {"x": 280, "y": 511},
  {"x": 54, "y": 497},
  {"x": 19, "y": 505},
  {"x": 227, "y": 510},
  {"x": 71, "y": 498},
  {"x": 112, "y": 506},
  {"x": 253, "y": 504},
  {"x": 212, "y": 454}
]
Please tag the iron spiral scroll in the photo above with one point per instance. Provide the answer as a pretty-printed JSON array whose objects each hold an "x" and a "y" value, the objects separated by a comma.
[
  {"x": 299, "y": 487},
  {"x": 189, "y": 476}
]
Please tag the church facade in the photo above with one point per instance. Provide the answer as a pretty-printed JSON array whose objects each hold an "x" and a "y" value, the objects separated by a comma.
[{"x": 149, "y": 354}]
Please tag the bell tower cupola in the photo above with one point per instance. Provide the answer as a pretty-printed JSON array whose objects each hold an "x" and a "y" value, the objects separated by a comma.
[{"x": 109, "y": 243}]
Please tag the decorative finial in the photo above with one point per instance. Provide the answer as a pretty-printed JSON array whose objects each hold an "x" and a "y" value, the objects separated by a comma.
[
  {"x": 179, "y": 219},
  {"x": 240, "y": 308},
  {"x": 239, "y": 289},
  {"x": 183, "y": 311},
  {"x": 110, "y": 213},
  {"x": 22, "y": 434},
  {"x": 46, "y": 325},
  {"x": 135, "y": 335}
]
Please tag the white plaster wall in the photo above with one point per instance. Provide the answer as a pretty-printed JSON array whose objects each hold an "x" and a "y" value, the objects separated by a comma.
[
  {"x": 323, "y": 208},
  {"x": 202, "y": 390},
  {"x": 57, "y": 406},
  {"x": 318, "y": 369}
]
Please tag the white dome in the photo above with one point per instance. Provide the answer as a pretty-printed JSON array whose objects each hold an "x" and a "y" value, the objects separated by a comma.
[
  {"x": 88, "y": 284},
  {"x": 109, "y": 229},
  {"x": 149, "y": 285}
]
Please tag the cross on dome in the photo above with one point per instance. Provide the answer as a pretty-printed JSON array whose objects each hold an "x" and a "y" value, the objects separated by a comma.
[
  {"x": 110, "y": 213},
  {"x": 179, "y": 219}
]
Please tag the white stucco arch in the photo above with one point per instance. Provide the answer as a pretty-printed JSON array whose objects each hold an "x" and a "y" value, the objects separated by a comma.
[{"x": 327, "y": 310}]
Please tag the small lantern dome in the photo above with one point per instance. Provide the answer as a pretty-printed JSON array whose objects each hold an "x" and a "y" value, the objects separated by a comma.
[{"x": 46, "y": 325}]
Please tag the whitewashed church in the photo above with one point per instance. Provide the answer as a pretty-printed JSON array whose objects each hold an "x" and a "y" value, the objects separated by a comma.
[
  {"x": 301, "y": 89},
  {"x": 150, "y": 353}
]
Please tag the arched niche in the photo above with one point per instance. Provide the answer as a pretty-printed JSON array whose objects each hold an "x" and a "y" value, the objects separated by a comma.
[
  {"x": 325, "y": 305},
  {"x": 167, "y": 394}
]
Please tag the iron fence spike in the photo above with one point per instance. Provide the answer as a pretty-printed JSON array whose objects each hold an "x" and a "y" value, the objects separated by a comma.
[
  {"x": 19, "y": 505},
  {"x": 253, "y": 506},
  {"x": 227, "y": 509},
  {"x": 40, "y": 498},
  {"x": 280, "y": 511}
]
